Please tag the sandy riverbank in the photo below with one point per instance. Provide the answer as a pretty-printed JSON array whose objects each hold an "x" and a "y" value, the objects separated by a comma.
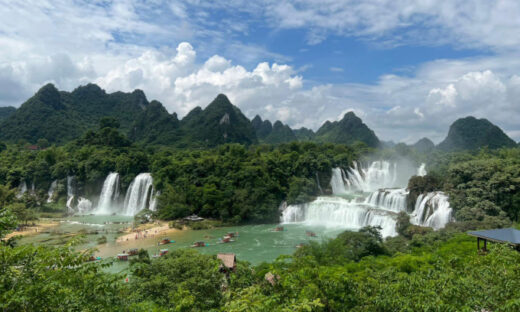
[
  {"x": 38, "y": 227},
  {"x": 146, "y": 231}
]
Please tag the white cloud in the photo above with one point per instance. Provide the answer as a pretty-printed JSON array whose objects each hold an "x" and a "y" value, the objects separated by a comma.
[{"x": 336, "y": 69}]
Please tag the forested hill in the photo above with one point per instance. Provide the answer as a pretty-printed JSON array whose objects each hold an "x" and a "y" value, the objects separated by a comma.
[
  {"x": 6, "y": 112},
  {"x": 470, "y": 133},
  {"x": 60, "y": 117},
  {"x": 347, "y": 131}
]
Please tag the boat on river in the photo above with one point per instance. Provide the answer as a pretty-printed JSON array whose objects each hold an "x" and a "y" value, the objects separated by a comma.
[
  {"x": 133, "y": 252},
  {"x": 310, "y": 234},
  {"x": 199, "y": 244},
  {"x": 162, "y": 252},
  {"x": 122, "y": 257},
  {"x": 278, "y": 229}
]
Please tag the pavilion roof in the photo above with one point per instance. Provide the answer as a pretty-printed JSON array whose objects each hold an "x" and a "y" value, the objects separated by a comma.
[{"x": 508, "y": 235}]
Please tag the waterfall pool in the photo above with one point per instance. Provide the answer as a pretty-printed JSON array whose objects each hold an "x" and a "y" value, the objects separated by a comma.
[{"x": 255, "y": 243}]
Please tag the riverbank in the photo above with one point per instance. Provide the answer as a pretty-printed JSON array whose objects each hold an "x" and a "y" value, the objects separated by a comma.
[
  {"x": 149, "y": 230},
  {"x": 33, "y": 229}
]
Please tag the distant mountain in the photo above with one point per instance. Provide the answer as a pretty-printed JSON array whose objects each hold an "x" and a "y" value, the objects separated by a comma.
[
  {"x": 220, "y": 122},
  {"x": 424, "y": 145},
  {"x": 6, "y": 112},
  {"x": 347, "y": 131},
  {"x": 62, "y": 116},
  {"x": 470, "y": 133},
  {"x": 304, "y": 134},
  {"x": 262, "y": 128},
  {"x": 280, "y": 134},
  {"x": 155, "y": 125}
]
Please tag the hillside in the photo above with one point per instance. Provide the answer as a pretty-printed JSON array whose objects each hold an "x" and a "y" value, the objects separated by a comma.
[
  {"x": 220, "y": 122},
  {"x": 347, "y": 131},
  {"x": 6, "y": 112},
  {"x": 60, "y": 116},
  {"x": 424, "y": 145},
  {"x": 471, "y": 133},
  {"x": 281, "y": 133},
  {"x": 155, "y": 125}
]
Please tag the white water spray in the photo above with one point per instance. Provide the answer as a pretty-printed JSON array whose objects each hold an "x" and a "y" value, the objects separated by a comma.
[
  {"x": 70, "y": 194},
  {"x": 109, "y": 195},
  {"x": 139, "y": 195},
  {"x": 84, "y": 206},
  {"x": 52, "y": 190}
]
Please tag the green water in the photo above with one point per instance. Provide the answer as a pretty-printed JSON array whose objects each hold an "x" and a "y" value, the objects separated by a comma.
[{"x": 255, "y": 243}]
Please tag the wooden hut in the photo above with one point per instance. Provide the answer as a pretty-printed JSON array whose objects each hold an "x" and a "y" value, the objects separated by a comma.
[
  {"x": 508, "y": 236},
  {"x": 229, "y": 261}
]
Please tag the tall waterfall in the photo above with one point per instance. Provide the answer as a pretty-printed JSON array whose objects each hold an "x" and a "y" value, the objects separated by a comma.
[
  {"x": 52, "y": 190},
  {"x": 422, "y": 170},
  {"x": 432, "y": 209},
  {"x": 70, "y": 194},
  {"x": 340, "y": 212},
  {"x": 378, "y": 204},
  {"x": 109, "y": 195},
  {"x": 139, "y": 195}
]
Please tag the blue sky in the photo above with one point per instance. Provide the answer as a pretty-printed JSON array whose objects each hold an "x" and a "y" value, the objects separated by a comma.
[{"x": 407, "y": 68}]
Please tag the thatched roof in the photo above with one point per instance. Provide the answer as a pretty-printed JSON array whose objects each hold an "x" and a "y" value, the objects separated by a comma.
[{"x": 228, "y": 259}]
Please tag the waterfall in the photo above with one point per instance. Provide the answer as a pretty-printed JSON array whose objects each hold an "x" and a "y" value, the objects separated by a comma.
[
  {"x": 70, "y": 194},
  {"x": 52, "y": 190},
  {"x": 379, "y": 204},
  {"x": 318, "y": 182},
  {"x": 153, "y": 201},
  {"x": 337, "y": 182},
  {"x": 139, "y": 194},
  {"x": 84, "y": 205},
  {"x": 379, "y": 174},
  {"x": 340, "y": 212},
  {"x": 389, "y": 199},
  {"x": 22, "y": 188},
  {"x": 432, "y": 209},
  {"x": 109, "y": 195},
  {"x": 422, "y": 170}
]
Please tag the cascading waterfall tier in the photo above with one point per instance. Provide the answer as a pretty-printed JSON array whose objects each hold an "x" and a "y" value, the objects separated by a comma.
[
  {"x": 379, "y": 174},
  {"x": 52, "y": 190},
  {"x": 388, "y": 199},
  {"x": 377, "y": 205},
  {"x": 432, "y": 209},
  {"x": 140, "y": 195},
  {"x": 109, "y": 195},
  {"x": 331, "y": 211}
]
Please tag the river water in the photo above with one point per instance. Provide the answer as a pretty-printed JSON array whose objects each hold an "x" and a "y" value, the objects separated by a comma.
[{"x": 255, "y": 243}]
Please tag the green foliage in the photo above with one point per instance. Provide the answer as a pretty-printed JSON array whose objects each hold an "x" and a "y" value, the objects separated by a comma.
[{"x": 183, "y": 280}]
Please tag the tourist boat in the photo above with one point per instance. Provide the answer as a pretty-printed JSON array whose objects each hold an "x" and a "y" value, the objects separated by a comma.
[
  {"x": 232, "y": 234},
  {"x": 226, "y": 239},
  {"x": 122, "y": 257},
  {"x": 199, "y": 244},
  {"x": 162, "y": 252},
  {"x": 93, "y": 258},
  {"x": 310, "y": 234},
  {"x": 278, "y": 229},
  {"x": 133, "y": 252},
  {"x": 165, "y": 241}
]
